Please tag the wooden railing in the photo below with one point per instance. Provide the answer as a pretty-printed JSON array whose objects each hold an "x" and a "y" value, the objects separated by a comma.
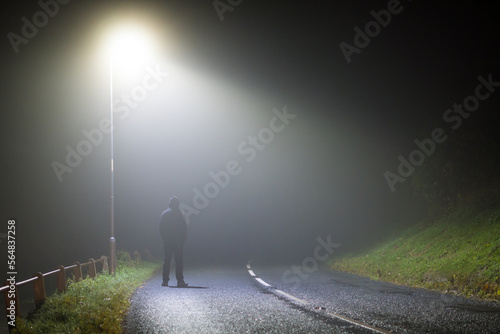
[{"x": 10, "y": 290}]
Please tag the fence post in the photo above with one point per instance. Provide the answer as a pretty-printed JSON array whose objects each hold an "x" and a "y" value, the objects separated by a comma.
[
  {"x": 147, "y": 255},
  {"x": 61, "y": 279},
  {"x": 39, "y": 290},
  {"x": 137, "y": 256},
  {"x": 104, "y": 263},
  {"x": 92, "y": 268},
  {"x": 77, "y": 271}
]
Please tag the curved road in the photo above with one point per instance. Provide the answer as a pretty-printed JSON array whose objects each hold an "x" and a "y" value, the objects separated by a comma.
[{"x": 230, "y": 300}]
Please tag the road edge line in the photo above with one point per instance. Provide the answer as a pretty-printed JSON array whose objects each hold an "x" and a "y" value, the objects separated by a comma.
[{"x": 338, "y": 316}]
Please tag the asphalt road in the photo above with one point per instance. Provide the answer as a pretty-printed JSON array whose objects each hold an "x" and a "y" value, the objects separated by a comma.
[{"x": 230, "y": 300}]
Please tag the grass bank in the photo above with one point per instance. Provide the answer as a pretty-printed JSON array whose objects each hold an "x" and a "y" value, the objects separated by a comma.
[
  {"x": 91, "y": 305},
  {"x": 457, "y": 253}
]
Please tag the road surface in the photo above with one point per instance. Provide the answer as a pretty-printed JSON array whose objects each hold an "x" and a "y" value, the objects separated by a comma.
[{"x": 228, "y": 299}]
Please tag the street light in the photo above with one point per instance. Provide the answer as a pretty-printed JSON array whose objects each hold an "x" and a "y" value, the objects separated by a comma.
[{"x": 126, "y": 44}]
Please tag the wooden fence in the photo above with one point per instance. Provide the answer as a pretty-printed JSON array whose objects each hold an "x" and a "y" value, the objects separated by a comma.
[{"x": 10, "y": 290}]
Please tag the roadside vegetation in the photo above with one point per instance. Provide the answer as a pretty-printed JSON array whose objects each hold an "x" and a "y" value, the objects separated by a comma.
[
  {"x": 455, "y": 247},
  {"x": 458, "y": 253},
  {"x": 91, "y": 305}
]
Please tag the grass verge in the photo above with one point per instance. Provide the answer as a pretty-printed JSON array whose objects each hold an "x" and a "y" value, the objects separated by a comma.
[
  {"x": 458, "y": 253},
  {"x": 91, "y": 305}
]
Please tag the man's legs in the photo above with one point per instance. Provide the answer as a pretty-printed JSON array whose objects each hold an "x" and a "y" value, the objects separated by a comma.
[
  {"x": 168, "y": 250},
  {"x": 179, "y": 264}
]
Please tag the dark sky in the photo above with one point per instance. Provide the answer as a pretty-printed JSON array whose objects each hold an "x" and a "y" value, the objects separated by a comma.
[{"x": 322, "y": 174}]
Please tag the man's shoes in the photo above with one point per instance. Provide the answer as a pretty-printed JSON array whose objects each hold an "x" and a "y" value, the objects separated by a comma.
[
  {"x": 182, "y": 284},
  {"x": 165, "y": 283}
]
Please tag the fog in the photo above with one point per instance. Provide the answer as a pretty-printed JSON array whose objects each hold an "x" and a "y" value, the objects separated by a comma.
[{"x": 258, "y": 123}]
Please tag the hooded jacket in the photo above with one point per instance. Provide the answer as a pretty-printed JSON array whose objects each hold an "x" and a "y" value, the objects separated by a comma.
[{"x": 173, "y": 227}]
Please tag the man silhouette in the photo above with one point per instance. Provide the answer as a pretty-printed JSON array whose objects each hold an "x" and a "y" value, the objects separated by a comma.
[{"x": 173, "y": 230}]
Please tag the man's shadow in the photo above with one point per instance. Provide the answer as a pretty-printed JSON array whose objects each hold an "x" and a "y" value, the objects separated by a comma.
[{"x": 188, "y": 287}]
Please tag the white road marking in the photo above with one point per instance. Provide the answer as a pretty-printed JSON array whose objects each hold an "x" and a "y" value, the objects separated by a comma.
[
  {"x": 292, "y": 297},
  {"x": 338, "y": 316},
  {"x": 262, "y": 282}
]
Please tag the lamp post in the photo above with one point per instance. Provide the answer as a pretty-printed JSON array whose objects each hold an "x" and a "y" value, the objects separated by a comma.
[
  {"x": 112, "y": 241},
  {"x": 127, "y": 42}
]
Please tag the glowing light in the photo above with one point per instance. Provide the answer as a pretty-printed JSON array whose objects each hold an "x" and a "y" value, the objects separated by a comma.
[
  {"x": 129, "y": 46},
  {"x": 130, "y": 42}
]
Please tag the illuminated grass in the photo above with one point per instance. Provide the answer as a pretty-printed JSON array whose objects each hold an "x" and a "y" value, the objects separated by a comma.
[
  {"x": 459, "y": 253},
  {"x": 90, "y": 306}
]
